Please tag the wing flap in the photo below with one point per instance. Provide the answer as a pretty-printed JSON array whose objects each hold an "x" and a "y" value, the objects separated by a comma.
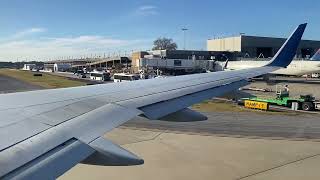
[
  {"x": 29, "y": 121},
  {"x": 102, "y": 120},
  {"x": 63, "y": 157},
  {"x": 53, "y": 163},
  {"x": 86, "y": 128},
  {"x": 69, "y": 111},
  {"x": 163, "y": 108},
  {"x": 22, "y": 131}
]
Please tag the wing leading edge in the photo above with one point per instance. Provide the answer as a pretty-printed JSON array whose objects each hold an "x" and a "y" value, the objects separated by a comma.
[{"x": 57, "y": 145}]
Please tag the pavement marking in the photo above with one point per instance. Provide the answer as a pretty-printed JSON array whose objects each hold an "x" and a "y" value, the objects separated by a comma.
[
  {"x": 162, "y": 131},
  {"x": 278, "y": 167},
  {"x": 151, "y": 139}
]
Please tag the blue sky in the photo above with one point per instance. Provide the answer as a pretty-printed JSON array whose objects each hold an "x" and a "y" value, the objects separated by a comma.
[{"x": 37, "y": 29}]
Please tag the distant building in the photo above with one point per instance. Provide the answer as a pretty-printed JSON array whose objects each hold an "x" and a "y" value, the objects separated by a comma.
[
  {"x": 256, "y": 46},
  {"x": 96, "y": 63},
  {"x": 29, "y": 67},
  {"x": 191, "y": 54},
  {"x": 177, "y": 61},
  {"x": 48, "y": 67}
]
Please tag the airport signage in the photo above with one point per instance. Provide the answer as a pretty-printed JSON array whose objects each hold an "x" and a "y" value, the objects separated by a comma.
[{"x": 256, "y": 105}]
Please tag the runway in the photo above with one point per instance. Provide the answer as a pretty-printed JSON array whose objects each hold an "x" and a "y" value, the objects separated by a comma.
[{"x": 10, "y": 85}]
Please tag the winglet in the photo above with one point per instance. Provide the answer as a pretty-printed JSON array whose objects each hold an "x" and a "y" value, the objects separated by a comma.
[
  {"x": 316, "y": 56},
  {"x": 288, "y": 50}
]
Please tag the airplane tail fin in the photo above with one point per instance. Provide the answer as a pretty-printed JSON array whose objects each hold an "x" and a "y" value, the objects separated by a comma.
[
  {"x": 316, "y": 56},
  {"x": 225, "y": 64},
  {"x": 288, "y": 50}
]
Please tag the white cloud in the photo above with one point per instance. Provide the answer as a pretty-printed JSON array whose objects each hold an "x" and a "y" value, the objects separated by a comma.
[
  {"x": 147, "y": 10},
  {"x": 45, "y": 48},
  {"x": 36, "y": 30},
  {"x": 147, "y": 7},
  {"x": 28, "y": 32}
]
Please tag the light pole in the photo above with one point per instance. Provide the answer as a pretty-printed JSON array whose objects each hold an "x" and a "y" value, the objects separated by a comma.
[{"x": 184, "y": 37}]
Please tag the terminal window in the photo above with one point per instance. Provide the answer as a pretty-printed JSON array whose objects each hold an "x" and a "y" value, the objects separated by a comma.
[{"x": 177, "y": 63}]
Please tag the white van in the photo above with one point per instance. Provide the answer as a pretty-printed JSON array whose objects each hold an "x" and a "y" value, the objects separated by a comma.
[
  {"x": 120, "y": 77},
  {"x": 99, "y": 76}
]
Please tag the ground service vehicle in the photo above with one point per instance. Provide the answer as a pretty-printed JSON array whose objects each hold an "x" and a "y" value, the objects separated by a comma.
[
  {"x": 120, "y": 77},
  {"x": 304, "y": 102},
  {"x": 100, "y": 76}
]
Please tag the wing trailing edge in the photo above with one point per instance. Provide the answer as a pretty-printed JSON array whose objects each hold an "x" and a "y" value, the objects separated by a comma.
[
  {"x": 55, "y": 162},
  {"x": 164, "y": 108}
]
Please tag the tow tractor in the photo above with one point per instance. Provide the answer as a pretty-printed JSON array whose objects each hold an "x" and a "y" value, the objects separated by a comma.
[{"x": 304, "y": 102}]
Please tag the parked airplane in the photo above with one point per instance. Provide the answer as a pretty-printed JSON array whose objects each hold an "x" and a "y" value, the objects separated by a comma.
[
  {"x": 296, "y": 68},
  {"x": 45, "y": 133}
]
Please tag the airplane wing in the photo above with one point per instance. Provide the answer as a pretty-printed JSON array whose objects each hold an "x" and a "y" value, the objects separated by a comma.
[{"x": 45, "y": 133}]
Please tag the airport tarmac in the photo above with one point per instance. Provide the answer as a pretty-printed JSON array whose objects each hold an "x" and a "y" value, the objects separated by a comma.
[
  {"x": 9, "y": 85},
  {"x": 242, "y": 124},
  {"x": 182, "y": 156}
]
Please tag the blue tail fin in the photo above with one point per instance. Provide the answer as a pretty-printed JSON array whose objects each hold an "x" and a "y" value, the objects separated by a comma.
[
  {"x": 288, "y": 50},
  {"x": 316, "y": 56}
]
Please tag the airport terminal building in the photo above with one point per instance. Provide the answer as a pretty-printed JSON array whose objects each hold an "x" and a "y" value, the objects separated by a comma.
[
  {"x": 177, "y": 61},
  {"x": 257, "y": 46}
]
